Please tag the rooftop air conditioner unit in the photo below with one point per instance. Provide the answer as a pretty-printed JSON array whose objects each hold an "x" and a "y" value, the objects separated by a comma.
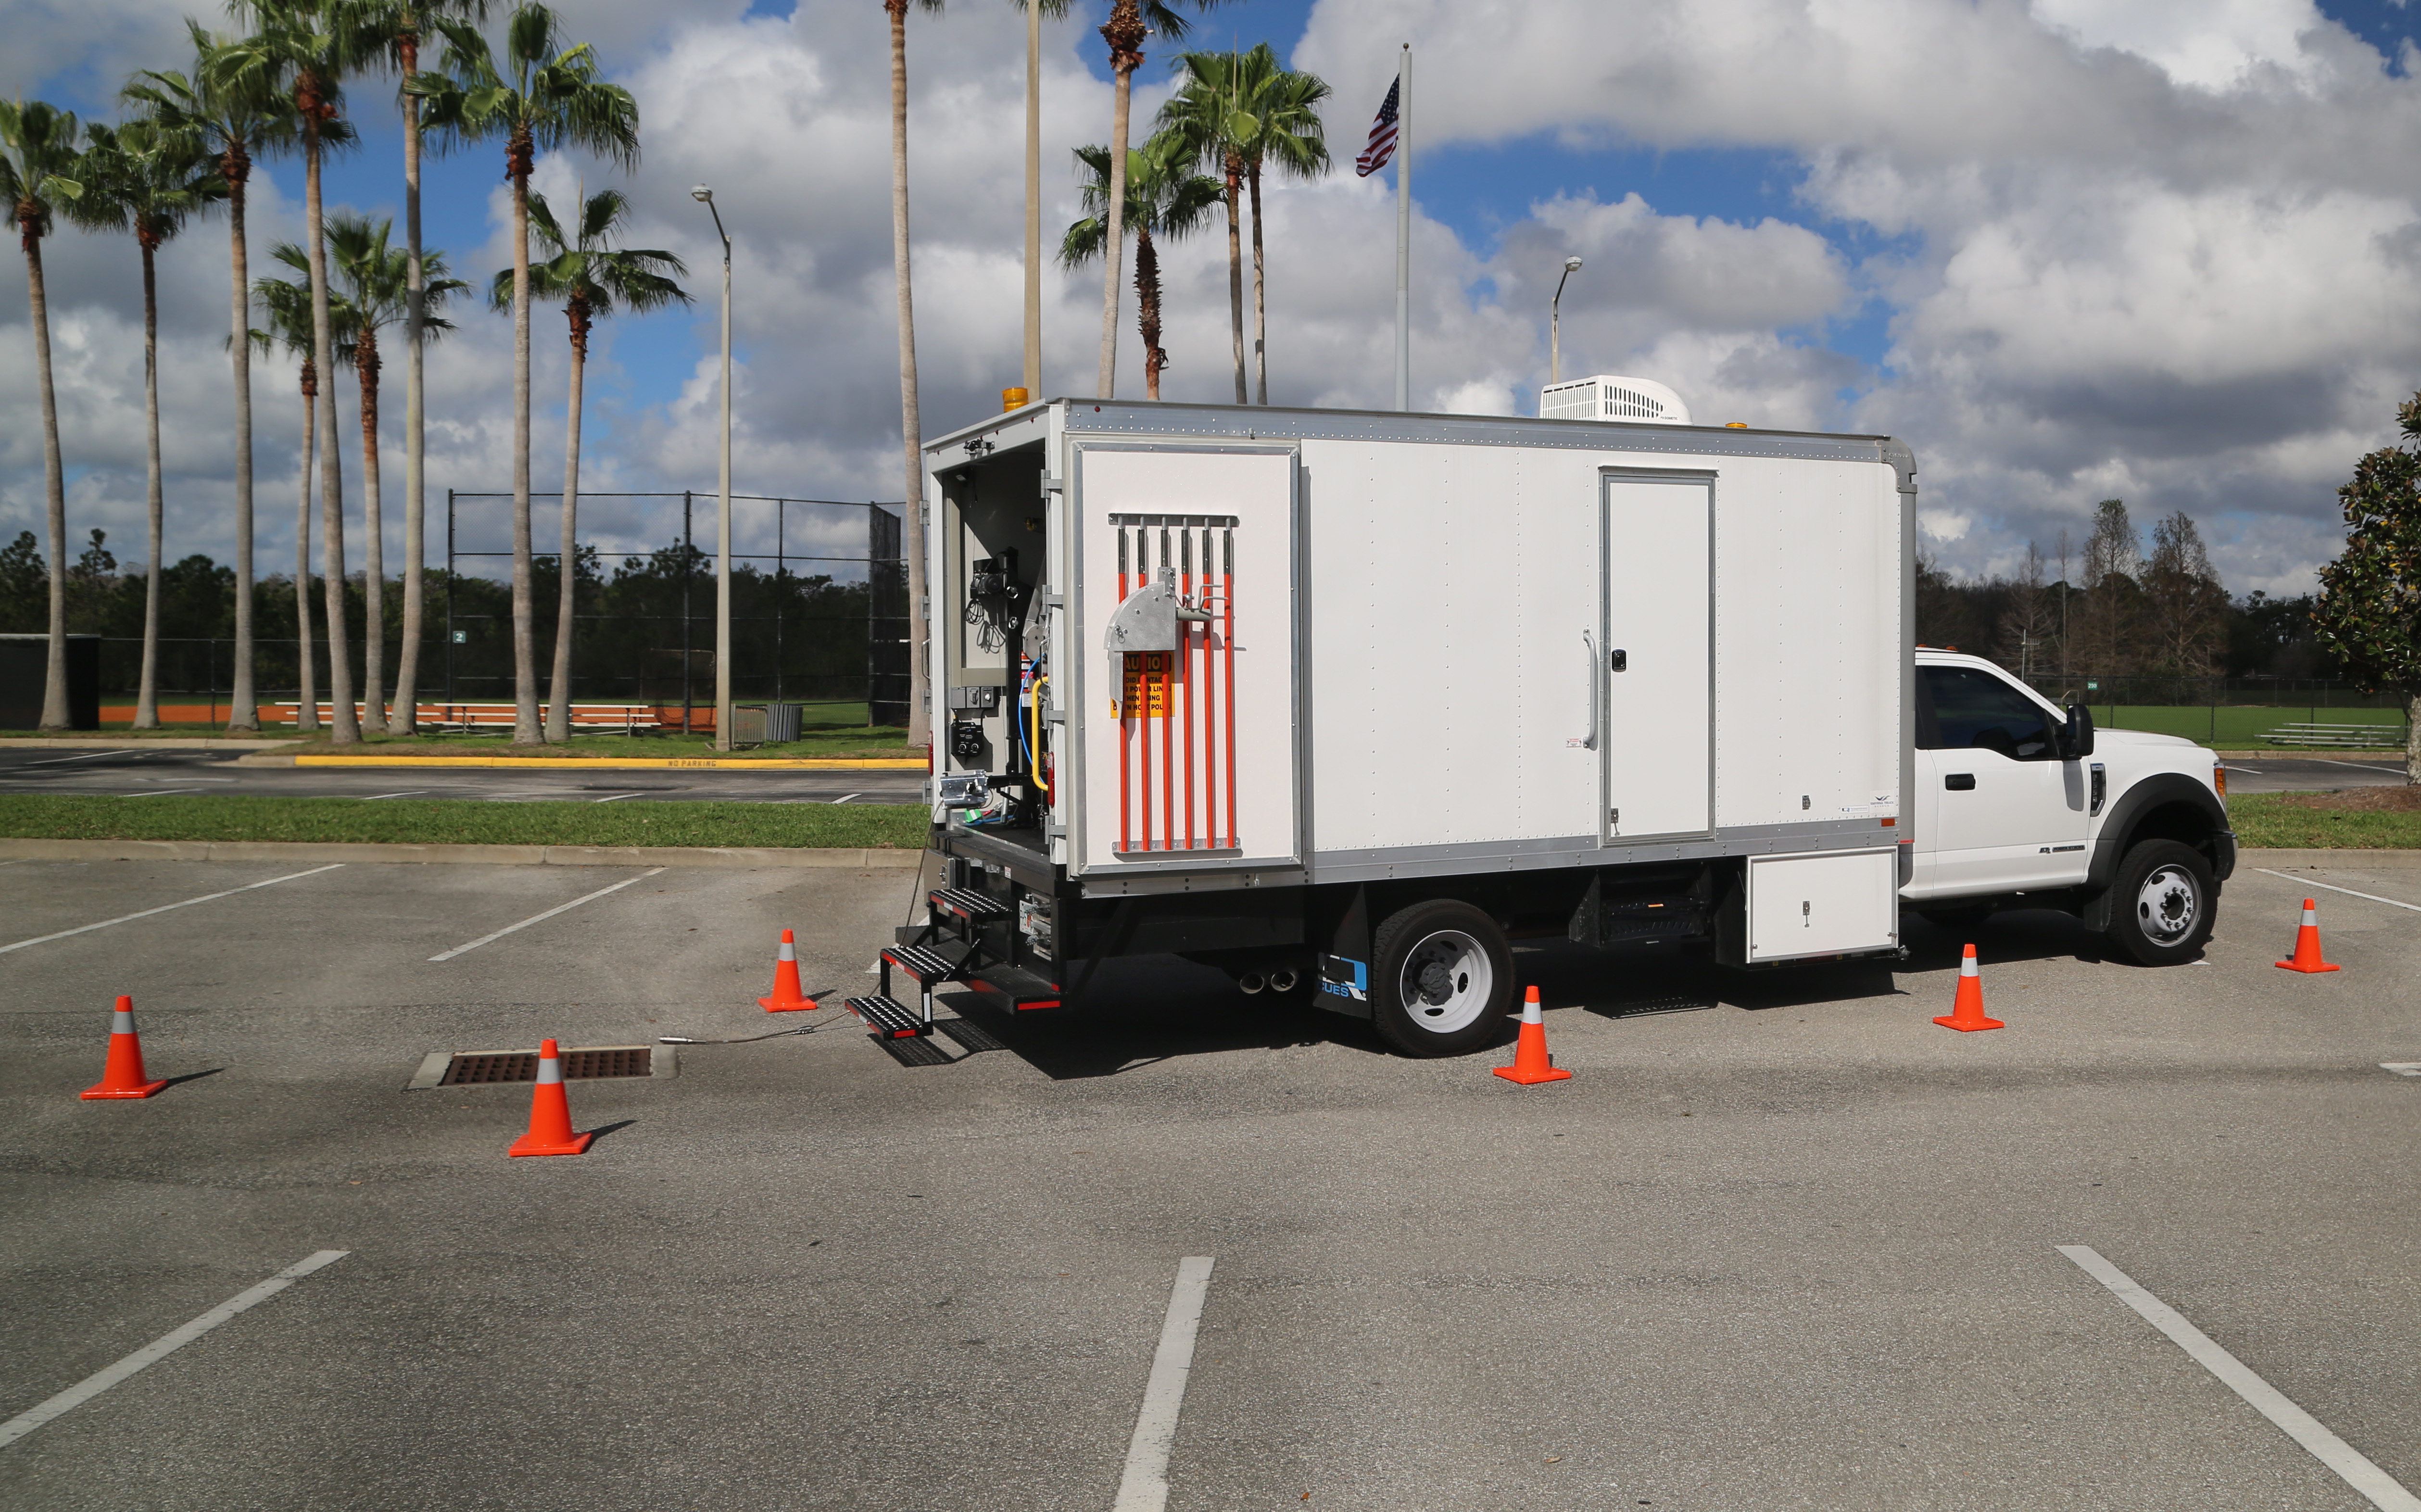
[{"x": 1635, "y": 400}]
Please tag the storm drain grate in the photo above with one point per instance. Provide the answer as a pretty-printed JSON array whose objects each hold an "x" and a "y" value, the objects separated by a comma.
[{"x": 487, "y": 1067}]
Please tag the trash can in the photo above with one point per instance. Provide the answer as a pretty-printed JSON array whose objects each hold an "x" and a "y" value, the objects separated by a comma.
[
  {"x": 747, "y": 725},
  {"x": 782, "y": 723}
]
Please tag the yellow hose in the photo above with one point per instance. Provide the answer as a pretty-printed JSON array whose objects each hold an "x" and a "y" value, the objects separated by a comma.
[{"x": 1034, "y": 724}]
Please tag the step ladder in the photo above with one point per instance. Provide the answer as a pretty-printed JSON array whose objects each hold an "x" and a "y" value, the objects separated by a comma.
[{"x": 958, "y": 942}]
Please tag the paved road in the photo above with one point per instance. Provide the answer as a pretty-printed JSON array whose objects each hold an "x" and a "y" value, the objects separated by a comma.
[
  {"x": 2297, "y": 775},
  {"x": 133, "y": 771},
  {"x": 1780, "y": 1243}
]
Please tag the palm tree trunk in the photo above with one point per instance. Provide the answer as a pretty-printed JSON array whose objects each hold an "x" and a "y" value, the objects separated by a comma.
[
  {"x": 146, "y": 686},
  {"x": 1147, "y": 310},
  {"x": 1261, "y": 310},
  {"x": 407, "y": 668},
  {"x": 366, "y": 368},
  {"x": 1236, "y": 271},
  {"x": 920, "y": 717},
  {"x": 347, "y": 729},
  {"x": 244, "y": 717},
  {"x": 1033, "y": 374},
  {"x": 1124, "y": 33},
  {"x": 37, "y": 305},
  {"x": 558, "y": 709},
  {"x": 525, "y": 725},
  {"x": 308, "y": 680}
]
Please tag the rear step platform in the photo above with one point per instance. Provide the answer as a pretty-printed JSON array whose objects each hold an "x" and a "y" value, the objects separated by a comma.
[
  {"x": 969, "y": 904},
  {"x": 888, "y": 1017},
  {"x": 1020, "y": 989},
  {"x": 927, "y": 966}
]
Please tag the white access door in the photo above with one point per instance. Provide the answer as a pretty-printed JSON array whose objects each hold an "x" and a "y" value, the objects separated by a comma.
[{"x": 1652, "y": 656}]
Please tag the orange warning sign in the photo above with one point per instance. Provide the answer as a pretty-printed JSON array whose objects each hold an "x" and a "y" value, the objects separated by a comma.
[{"x": 1147, "y": 685}]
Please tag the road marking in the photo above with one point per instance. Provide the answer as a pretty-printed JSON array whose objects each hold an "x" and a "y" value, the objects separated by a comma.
[
  {"x": 163, "y": 908},
  {"x": 184, "y": 779},
  {"x": 1143, "y": 1486},
  {"x": 541, "y": 918},
  {"x": 406, "y": 794},
  {"x": 163, "y": 792},
  {"x": 52, "y": 761},
  {"x": 161, "y": 1348},
  {"x": 2306, "y": 881},
  {"x": 2298, "y": 1425},
  {"x": 846, "y": 797},
  {"x": 2365, "y": 766},
  {"x": 2401, "y": 1068},
  {"x": 615, "y": 799}
]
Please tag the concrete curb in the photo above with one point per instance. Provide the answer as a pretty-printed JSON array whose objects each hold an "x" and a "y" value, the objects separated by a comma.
[
  {"x": 600, "y": 763},
  {"x": 147, "y": 743},
  {"x": 734, "y": 857}
]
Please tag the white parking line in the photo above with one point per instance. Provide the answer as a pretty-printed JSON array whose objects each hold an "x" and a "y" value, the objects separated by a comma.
[
  {"x": 406, "y": 794},
  {"x": 541, "y": 918},
  {"x": 2348, "y": 892},
  {"x": 159, "y": 1349},
  {"x": 52, "y": 761},
  {"x": 1143, "y": 1486},
  {"x": 2401, "y": 1068},
  {"x": 163, "y": 908},
  {"x": 616, "y": 798},
  {"x": 846, "y": 797},
  {"x": 2298, "y": 1425},
  {"x": 163, "y": 792}
]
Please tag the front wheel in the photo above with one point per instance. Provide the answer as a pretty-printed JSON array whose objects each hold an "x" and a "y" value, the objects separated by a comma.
[
  {"x": 2163, "y": 903},
  {"x": 1441, "y": 978}
]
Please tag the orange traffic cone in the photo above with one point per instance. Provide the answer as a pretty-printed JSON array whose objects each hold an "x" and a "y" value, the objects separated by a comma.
[
  {"x": 787, "y": 997},
  {"x": 1532, "y": 1065},
  {"x": 1967, "y": 1009},
  {"x": 549, "y": 1130},
  {"x": 2307, "y": 946},
  {"x": 122, "y": 1076}
]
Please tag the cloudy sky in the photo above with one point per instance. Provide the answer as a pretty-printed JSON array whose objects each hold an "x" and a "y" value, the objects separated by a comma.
[{"x": 2070, "y": 249}]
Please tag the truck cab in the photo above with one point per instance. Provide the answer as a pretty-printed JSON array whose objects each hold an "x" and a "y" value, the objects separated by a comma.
[{"x": 2018, "y": 803}]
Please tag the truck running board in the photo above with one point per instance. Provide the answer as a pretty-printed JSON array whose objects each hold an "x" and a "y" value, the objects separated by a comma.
[
  {"x": 969, "y": 904},
  {"x": 927, "y": 966},
  {"x": 1018, "y": 987}
]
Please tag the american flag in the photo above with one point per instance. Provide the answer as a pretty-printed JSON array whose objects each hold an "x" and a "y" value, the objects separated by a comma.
[{"x": 1381, "y": 144}]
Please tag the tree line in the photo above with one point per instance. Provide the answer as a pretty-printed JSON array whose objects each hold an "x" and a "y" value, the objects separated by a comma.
[{"x": 188, "y": 149}]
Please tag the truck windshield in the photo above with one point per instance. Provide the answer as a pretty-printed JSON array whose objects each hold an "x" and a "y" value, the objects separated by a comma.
[{"x": 1962, "y": 709}]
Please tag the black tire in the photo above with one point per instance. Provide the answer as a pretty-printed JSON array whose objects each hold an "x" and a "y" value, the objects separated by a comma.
[
  {"x": 2163, "y": 903},
  {"x": 1957, "y": 920},
  {"x": 1441, "y": 978}
]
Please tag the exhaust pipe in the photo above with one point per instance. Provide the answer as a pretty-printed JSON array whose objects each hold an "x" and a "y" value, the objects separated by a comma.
[
  {"x": 1282, "y": 981},
  {"x": 1251, "y": 982}
]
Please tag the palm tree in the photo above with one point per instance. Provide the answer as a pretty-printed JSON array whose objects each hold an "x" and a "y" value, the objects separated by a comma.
[
  {"x": 289, "y": 307},
  {"x": 1288, "y": 136},
  {"x": 149, "y": 178},
  {"x": 1164, "y": 199},
  {"x": 1130, "y": 22},
  {"x": 1035, "y": 12},
  {"x": 235, "y": 117},
  {"x": 306, "y": 48},
  {"x": 920, "y": 717},
  {"x": 399, "y": 24},
  {"x": 1208, "y": 114},
  {"x": 590, "y": 276},
  {"x": 37, "y": 171},
  {"x": 377, "y": 280},
  {"x": 552, "y": 97}
]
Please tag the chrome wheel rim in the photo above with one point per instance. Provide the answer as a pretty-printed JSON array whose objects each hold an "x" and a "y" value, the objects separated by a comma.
[
  {"x": 2168, "y": 905},
  {"x": 1447, "y": 982}
]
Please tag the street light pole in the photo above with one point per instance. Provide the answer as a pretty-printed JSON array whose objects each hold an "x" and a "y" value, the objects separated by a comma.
[
  {"x": 722, "y": 513},
  {"x": 1556, "y": 325}
]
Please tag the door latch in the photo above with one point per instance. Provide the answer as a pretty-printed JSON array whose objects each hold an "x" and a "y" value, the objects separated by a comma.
[{"x": 1619, "y": 660}]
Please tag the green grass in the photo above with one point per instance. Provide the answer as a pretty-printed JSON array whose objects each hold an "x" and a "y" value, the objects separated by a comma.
[
  {"x": 2299, "y": 821},
  {"x": 449, "y": 821},
  {"x": 2235, "y": 727}
]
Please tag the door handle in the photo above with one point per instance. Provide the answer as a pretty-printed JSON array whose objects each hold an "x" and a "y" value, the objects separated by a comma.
[
  {"x": 1588, "y": 741},
  {"x": 1618, "y": 660},
  {"x": 1959, "y": 782}
]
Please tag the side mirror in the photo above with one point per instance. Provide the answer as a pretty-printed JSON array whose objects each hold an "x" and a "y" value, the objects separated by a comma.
[{"x": 2076, "y": 736}]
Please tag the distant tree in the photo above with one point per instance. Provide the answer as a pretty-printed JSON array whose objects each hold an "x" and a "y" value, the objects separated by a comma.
[
  {"x": 2028, "y": 623},
  {"x": 90, "y": 584},
  {"x": 24, "y": 583},
  {"x": 2104, "y": 623},
  {"x": 2186, "y": 609},
  {"x": 2370, "y": 608},
  {"x": 2274, "y": 638}
]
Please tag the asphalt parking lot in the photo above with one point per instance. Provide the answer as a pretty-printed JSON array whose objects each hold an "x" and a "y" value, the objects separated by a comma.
[
  {"x": 135, "y": 772},
  {"x": 1781, "y": 1243}
]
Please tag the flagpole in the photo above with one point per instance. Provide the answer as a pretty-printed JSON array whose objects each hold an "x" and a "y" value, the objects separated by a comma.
[{"x": 1404, "y": 230}]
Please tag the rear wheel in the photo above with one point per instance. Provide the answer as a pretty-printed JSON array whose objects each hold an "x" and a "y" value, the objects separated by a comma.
[
  {"x": 1441, "y": 979},
  {"x": 2163, "y": 903}
]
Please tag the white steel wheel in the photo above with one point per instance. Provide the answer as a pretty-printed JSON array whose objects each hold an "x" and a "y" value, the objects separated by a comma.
[
  {"x": 2164, "y": 902},
  {"x": 2168, "y": 905},
  {"x": 1443, "y": 978}
]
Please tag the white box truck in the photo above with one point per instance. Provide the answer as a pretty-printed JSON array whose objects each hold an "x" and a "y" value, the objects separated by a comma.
[{"x": 1339, "y": 702}]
